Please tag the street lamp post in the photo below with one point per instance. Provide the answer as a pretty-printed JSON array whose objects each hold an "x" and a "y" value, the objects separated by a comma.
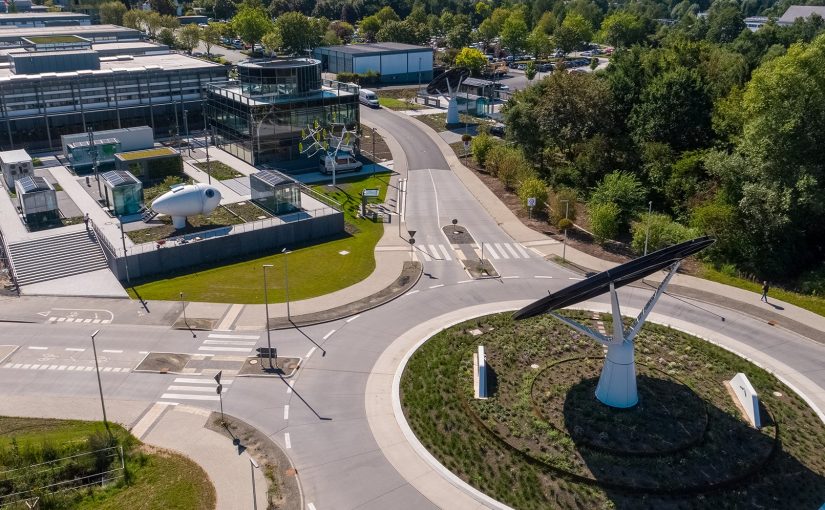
[
  {"x": 419, "y": 74},
  {"x": 564, "y": 244},
  {"x": 208, "y": 164},
  {"x": 125, "y": 258},
  {"x": 99, "y": 385},
  {"x": 647, "y": 226},
  {"x": 186, "y": 130},
  {"x": 266, "y": 310},
  {"x": 286, "y": 282}
]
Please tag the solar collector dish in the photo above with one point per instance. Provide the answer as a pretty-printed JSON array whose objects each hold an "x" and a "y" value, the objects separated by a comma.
[{"x": 620, "y": 276}]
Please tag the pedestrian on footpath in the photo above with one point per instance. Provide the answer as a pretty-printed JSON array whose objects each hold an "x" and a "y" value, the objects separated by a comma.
[
  {"x": 86, "y": 220},
  {"x": 765, "y": 289}
]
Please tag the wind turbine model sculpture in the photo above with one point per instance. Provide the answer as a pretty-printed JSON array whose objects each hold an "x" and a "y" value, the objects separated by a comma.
[
  {"x": 317, "y": 139},
  {"x": 617, "y": 383},
  {"x": 452, "y": 79}
]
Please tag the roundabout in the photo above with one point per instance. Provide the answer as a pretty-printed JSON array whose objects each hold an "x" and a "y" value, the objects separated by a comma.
[{"x": 542, "y": 439}]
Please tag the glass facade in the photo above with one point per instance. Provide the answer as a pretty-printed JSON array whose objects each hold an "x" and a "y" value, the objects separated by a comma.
[
  {"x": 35, "y": 110},
  {"x": 259, "y": 118},
  {"x": 275, "y": 192},
  {"x": 124, "y": 192}
]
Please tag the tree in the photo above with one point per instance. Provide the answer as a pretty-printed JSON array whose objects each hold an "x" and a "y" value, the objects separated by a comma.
[
  {"x": 297, "y": 33},
  {"x": 459, "y": 33},
  {"x": 539, "y": 42},
  {"x": 674, "y": 109},
  {"x": 514, "y": 33},
  {"x": 573, "y": 33},
  {"x": 153, "y": 22},
  {"x": 656, "y": 231},
  {"x": 251, "y": 24},
  {"x": 622, "y": 189},
  {"x": 211, "y": 35},
  {"x": 343, "y": 30},
  {"x": 486, "y": 32},
  {"x": 111, "y": 13},
  {"x": 163, "y": 7},
  {"x": 167, "y": 36},
  {"x": 224, "y": 9},
  {"x": 134, "y": 19},
  {"x": 623, "y": 29},
  {"x": 604, "y": 220},
  {"x": 188, "y": 37},
  {"x": 369, "y": 27},
  {"x": 533, "y": 187},
  {"x": 530, "y": 71},
  {"x": 725, "y": 23},
  {"x": 271, "y": 42},
  {"x": 387, "y": 14},
  {"x": 471, "y": 59},
  {"x": 405, "y": 31}
]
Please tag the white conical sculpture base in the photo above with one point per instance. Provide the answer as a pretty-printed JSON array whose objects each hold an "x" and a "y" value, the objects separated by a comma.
[
  {"x": 617, "y": 384},
  {"x": 179, "y": 222},
  {"x": 452, "y": 112}
]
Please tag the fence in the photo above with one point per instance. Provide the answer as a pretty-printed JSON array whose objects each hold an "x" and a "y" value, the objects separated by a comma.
[{"x": 5, "y": 255}]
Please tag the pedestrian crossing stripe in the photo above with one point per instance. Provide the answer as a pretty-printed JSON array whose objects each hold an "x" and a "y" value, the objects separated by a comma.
[
  {"x": 496, "y": 251},
  {"x": 64, "y": 368}
]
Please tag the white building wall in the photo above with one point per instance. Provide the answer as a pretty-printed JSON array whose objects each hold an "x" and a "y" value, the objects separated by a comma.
[
  {"x": 426, "y": 60},
  {"x": 367, "y": 63},
  {"x": 394, "y": 64}
]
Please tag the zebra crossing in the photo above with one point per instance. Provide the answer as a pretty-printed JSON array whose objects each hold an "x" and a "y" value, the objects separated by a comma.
[
  {"x": 221, "y": 342},
  {"x": 495, "y": 251},
  {"x": 194, "y": 388}
]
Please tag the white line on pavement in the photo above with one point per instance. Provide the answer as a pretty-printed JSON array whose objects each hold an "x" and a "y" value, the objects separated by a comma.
[
  {"x": 140, "y": 429},
  {"x": 113, "y": 351},
  {"x": 329, "y": 334},
  {"x": 290, "y": 384},
  {"x": 227, "y": 349},
  {"x": 178, "y": 396},
  {"x": 310, "y": 353},
  {"x": 353, "y": 318},
  {"x": 571, "y": 278},
  {"x": 464, "y": 281},
  {"x": 76, "y": 349},
  {"x": 191, "y": 380},
  {"x": 286, "y": 412},
  {"x": 237, "y": 337},
  {"x": 196, "y": 389},
  {"x": 491, "y": 251},
  {"x": 38, "y": 348},
  {"x": 547, "y": 277},
  {"x": 61, "y": 319},
  {"x": 511, "y": 250},
  {"x": 227, "y": 342},
  {"x": 522, "y": 251},
  {"x": 509, "y": 277},
  {"x": 445, "y": 252},
  {"x": 410, "y": 293},
  {"x": 437, "y": 286},
  {"x": 287, "y": 441},
  {"x": 310, "y": 506},
  {"x": 501, "y": 251}
]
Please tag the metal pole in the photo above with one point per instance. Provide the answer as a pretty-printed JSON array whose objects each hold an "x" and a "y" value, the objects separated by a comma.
[
  {"x": 373, "y": 150},
  {"x": 564, "y": 245},
  {"x": 183, "y": 307},
  {"x": 647, "y": 227},
  {"x": 266, "y": 308},
  {"x": 99, "y": 385},
  {"x": 125, "y": 259},
  {"x": 419, "y": 74},
  {"x": 286, "y": 282},
  {"x": 186, "y": 130},
  {"x": 482, "y": 251},
  {"x": 252, "y": 466},
  {"x": 208, "y": 164}
]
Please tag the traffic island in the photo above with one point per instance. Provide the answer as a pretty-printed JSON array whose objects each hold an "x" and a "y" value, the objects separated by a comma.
[
  {"x": 542, "y": 440},
  {"x": 480, "y": 269},
  {"x": 165, "y": 362},
  {"x": 196, "y": 324},
  {"x": 283, "y": 366}
]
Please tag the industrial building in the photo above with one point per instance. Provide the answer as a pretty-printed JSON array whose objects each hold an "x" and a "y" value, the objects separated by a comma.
[
  {"x": 42, "y": 19},
  {"x": 796, "y": 12},
  {"x": 47, "y": 93},
  {"x": 15, "y": 165},
  {"x": 395, "y": 62},
  {"x": 259, "y": 117},
  {"x": 12, "y": 37}
]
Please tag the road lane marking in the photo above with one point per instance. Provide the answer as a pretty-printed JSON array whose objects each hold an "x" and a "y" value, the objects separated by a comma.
[
  {"x": 423, "y": 251},
  {"x": 445, "y": 252},
  {"x": 510, "y": 277},
  {"x": 237, "y": 337},
  {"x": 69, "y": 319},
  {"x": 522, "y": 251},
  {"x": 410, "y": 293},
  {"x": 197, "y": 389},
  {"x": 62, "y": 367},
  {"x": 571, "y": 278},
  {"x": 310, "y": 352},
  {"x": 38, "y": 348},
  {"x": 227, "y": 342},
  {"x": 464, "y": 281},
  {"x": 353, "y": 318},
  {"x": 310, "y": 506},
  {"x": 547, "y": 277},
  {"x": 113, "y": 351},
  {"x": 287, "y": 441},
  {"x": 61, "y": 319},
  {"x": 227, "y": 349},
  {"x": 489, "y": 249},
  {"x": 96, "y": 321},
  {"x": 329, "y": 334},
  {"x": 178, "y": 396},
  {"x": 511, "y": 250},
  {"x": 501, "y": 251},
  {"x": 230, "y": 317},
  {"x": 289, "y": 386},
  {"x": 76, "y": 349},
  {"x": 34, "y": 367},
  {"x": 18, "y": 365},
  {"x": 286, "y": 412},
  {"x": 107, "y": 369},
  {"x": 200, "y": 381},
  {"x": 437, "y": 286},
  {"x": 52, "y": 319},
  {"x": 148, "y": 419}
]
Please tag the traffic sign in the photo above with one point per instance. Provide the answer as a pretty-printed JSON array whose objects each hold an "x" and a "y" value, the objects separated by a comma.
[
  {"x": 411, "y": 232},
  {"x": 218, "y": 377},
  {"x": 412, "y": 241},
  {"x": 531, "y": 202},
  {"x": 219, "y": 389},
  {"x": 266, "y": 352}
]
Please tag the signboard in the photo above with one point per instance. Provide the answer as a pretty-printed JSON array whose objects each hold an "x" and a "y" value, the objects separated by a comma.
[
  {"x": 531, "y": 202},
  {"x": 747, "y": 396},
  {"x": 370, "y": 192},
  {"x": 466, "y": 146}
]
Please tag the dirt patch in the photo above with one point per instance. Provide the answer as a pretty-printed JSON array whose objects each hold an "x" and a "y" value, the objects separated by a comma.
[
  {"x": 259, "y": 366},
  {"x": 283, "y": 491},
  {"x": 163, "y": 362},
  {"x": 480, "y": 268}
]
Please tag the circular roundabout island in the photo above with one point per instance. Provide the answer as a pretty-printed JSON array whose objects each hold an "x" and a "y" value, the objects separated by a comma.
[{"x": 543, "y": 440}]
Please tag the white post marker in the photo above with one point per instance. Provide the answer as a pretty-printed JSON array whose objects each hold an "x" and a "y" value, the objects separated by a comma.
[
  {"x": 531, "y": 202},
  {"x": 742, "y": 388}
]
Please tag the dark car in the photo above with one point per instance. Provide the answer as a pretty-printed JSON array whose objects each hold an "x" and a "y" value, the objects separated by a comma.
[{"x": 497, "y": 130}]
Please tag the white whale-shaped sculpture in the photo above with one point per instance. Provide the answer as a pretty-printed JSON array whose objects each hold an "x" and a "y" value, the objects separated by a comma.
[{"x": 187, "y": 200}]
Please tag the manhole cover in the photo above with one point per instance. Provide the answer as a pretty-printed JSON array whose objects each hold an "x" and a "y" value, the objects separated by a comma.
[
  {"x": 534, "y": 366},
  {"x": 777, "y": 394},
  {"x": 253, "y": 362}
]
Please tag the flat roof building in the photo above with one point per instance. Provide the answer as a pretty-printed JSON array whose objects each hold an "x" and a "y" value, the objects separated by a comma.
[
  {"x": 37, "y": 107},
  {"x": 395, "y": 62},
  {"x": 260, "y": 117},
  {"x": 95, "y": 33},
  {"x": 42, "y": 19}
]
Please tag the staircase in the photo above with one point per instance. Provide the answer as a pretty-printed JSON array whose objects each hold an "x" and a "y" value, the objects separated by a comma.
[
  {"x": 56, "y": 257},
  {"x": 147, "y": 213}
]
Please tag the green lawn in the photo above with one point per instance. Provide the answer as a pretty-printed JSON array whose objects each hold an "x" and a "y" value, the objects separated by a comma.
[
  {"x": 398, "y": 104},
  {"x": 219, "y": 170},
  {"x": 813, "y": 304},
  {"x": 314, "y": 270},
  {"x": 157, "y": 479}
]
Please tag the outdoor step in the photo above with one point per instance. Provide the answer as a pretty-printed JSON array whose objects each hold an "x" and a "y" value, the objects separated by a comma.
[
  {"x": 33, "y": 266},
  {"x": 44, "y": 278},
  {"x": 56, "y": 257}
]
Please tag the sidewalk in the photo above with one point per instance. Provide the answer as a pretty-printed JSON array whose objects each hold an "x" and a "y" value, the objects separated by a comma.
[{"x": 734, "y": 297}]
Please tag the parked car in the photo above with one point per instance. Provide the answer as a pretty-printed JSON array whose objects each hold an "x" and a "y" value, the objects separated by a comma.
[
  {"x": 497, "y": 130},
  {"x": 368, "y": 97},
  {"x": 587, "y": 54},
  {"x": 522, "y": 67},
  {"x": 545, "y": 68}
]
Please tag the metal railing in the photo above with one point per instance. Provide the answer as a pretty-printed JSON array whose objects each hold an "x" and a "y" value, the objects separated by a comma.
[{"x": 9, "y": 263}]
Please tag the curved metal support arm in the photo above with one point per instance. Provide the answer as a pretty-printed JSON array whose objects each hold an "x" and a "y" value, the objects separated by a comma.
[
  {"x": 640, "y": 320},
  {"x": 581, "y": 328}
]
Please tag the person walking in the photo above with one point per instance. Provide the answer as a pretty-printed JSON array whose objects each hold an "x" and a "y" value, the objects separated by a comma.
[
  {"x": 86, "y": 220},
  {"x": 765, "y": 289}
]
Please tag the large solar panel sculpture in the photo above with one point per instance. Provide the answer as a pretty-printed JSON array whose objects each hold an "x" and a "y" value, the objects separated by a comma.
[{"x": 617, "y": 383}]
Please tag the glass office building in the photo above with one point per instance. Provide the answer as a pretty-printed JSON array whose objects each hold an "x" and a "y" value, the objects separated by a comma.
[
  {"x": 259, "y": 117},
  {"x": 123, "y": 192}
]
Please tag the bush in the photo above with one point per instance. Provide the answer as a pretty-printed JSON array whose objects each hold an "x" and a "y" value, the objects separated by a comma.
[
  {"x": 368, "y": 78},
  {"x": 813, "y": 282},
  {"x": 663, "y": 232},
  {"x": 481, "y": 146},
  {"x": 622, "y": 189},
  {"x": 604, "y": 220},
  {"x": 37, "y": 162},
  {"x": 534, "y": 187},
  {"x": 563, "y": 202},
  {"x": 509, "y": 165}
]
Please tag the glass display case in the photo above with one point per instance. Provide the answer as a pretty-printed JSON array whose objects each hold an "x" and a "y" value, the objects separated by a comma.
[{"x": 123, "y": 192}]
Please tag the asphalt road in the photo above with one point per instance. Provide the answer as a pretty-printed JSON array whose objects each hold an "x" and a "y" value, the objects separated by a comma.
[{"x": 321, "y": 416}]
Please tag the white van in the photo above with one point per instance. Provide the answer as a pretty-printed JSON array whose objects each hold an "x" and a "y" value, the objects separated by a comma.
[
  {"x": 368, "y": 98},
  {"x": 343, "y": 162}
]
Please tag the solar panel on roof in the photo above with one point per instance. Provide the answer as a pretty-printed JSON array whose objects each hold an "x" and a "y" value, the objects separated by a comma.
[
  {"x": 272, "y": 177},
  {"x": 33, "y": 183},
  {"x": 119, "y": 178}
]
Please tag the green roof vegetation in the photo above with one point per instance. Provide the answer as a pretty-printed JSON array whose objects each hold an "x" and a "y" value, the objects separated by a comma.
[
  {"x": 55, "y": 39},
  {"x": 146, "y": 153}
]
